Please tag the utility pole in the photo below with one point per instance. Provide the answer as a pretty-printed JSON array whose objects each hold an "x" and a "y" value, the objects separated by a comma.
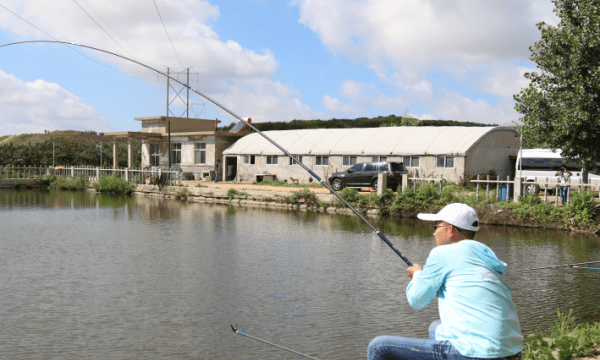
[{"x": 177, "y": 92}]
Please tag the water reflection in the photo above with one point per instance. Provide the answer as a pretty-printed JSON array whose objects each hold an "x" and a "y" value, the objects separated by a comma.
[{"x": 94, "y": 275}]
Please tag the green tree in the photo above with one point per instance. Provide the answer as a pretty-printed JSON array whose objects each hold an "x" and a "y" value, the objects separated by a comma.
[{"x": 561, "y": 105}]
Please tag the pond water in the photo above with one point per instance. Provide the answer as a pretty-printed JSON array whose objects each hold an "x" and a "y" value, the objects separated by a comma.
[{"x": 98, "y": 276}]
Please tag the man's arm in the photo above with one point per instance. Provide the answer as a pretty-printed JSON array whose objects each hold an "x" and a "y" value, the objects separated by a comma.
[{"x": 426, "y": 283}]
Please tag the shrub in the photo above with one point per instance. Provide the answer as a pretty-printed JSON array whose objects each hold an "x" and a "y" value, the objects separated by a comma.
[
  {"x": 309, "y": 197},
  {"x": 18, "y": 184},
  {"x": 113, "y": 184}
]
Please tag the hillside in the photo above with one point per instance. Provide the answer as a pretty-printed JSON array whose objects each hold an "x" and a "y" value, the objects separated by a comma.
[
  {"x": 59, "y": 136},
  {"x": 363, "y": 122}
]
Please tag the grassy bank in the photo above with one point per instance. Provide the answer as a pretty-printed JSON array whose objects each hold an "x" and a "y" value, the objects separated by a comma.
[
  {"x": 564, "y": 340},
  {"x": 580, "y": 214}
]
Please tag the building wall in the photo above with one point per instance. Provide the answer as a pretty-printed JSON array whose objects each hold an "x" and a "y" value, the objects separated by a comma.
[
  {"x": 285, "y": 171},
  {"x": 493, "y": 152},
  {"x": 159, "y": 125}
]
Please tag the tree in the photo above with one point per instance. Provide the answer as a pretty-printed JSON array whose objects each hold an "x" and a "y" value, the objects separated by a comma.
[{"x": 561, "y": 105}]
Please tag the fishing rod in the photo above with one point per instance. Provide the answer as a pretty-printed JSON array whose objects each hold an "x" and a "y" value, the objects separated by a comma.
[
  {"x": 575, "y": 265},
  {"x": 235, "y": 330},
  {"x": 381, "y": 236}
]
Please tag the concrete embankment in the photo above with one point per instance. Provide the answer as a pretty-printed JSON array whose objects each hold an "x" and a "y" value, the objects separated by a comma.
[{"x": 254, "y": 198}]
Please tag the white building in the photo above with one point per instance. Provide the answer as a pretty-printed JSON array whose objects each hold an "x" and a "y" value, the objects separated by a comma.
[{"x": 451, "y": 152}]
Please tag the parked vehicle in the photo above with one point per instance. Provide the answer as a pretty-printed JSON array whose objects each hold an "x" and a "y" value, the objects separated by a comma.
[
  {"x": 537, "y": 164},
  {"x": 365, "y": 175}
]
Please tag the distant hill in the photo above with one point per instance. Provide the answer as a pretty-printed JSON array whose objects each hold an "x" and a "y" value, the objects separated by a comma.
[
  {"x": 60, "y": 136},
  {"x": 64, "y": 147},
  {"x": 362, "y": 122}
]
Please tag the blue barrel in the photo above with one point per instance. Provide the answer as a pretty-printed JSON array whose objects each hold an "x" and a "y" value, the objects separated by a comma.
[{"x": 506, "y": 191}]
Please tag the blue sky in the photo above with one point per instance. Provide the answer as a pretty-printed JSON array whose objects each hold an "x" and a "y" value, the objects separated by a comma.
[{"x": 269, "y": 60}]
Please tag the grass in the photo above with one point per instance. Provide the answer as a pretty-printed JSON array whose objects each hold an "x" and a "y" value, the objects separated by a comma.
[
  {"x": 565, "y": 338},
  {"x": 231, "y": 193}
]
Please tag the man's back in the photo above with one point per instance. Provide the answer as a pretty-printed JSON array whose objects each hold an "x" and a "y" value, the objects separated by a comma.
[{"x": 478, "y": 315}]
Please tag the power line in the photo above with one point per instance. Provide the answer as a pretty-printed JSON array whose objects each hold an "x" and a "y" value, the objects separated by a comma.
[
  {"x": 70, "y": 48},
  {"x": 175, "y": 33},
  {"x": 163, "y": 24},
  {"x": 107, "y": 23},
  {"x": 100, "y": 26}
]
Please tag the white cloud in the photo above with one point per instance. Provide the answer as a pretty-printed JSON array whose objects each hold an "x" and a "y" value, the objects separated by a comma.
[
  {"x": 335, "y": 105},
  {"x": 507, "y": 81},
  {"x": 419, "y": 32},
  {"x": 188, "y": 23},
  {"x": 32, "y": 107},
  {"x": 266, "y": 100},
  {"x": 455, "y": 106}
]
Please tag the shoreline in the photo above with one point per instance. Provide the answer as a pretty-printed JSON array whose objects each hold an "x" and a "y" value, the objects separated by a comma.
[{"x": 278, "y": 198}]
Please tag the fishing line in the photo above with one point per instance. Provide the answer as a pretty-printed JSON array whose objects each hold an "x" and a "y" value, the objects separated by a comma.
[
  {"x": 381, "y": 236},
  {"x": 575, "y": 265}
]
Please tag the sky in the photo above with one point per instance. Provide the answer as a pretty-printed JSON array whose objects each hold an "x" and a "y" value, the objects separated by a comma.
[{"x": 264, "y": 59}]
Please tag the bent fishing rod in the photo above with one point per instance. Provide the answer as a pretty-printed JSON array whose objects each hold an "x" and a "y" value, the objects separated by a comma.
[
  {"x": 324, "y": 183},
  {"x": 235, "y": 330}
]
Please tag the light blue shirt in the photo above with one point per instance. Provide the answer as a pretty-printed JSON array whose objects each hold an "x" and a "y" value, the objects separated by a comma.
[{"x": 478, "y": 315}]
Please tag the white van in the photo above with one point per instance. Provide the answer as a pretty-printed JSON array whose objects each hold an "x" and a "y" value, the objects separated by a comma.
[{"x": 539, "y": 164}]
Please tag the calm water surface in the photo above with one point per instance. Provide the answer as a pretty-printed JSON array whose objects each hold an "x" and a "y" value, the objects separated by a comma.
[{"x": 94, "y": 276}]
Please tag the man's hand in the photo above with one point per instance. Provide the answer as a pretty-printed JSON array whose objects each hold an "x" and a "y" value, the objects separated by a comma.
[{"x": 411, "y": 270}]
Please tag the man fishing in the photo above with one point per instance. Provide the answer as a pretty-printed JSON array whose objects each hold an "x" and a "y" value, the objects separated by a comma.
[{"x": 478, "y": 316}]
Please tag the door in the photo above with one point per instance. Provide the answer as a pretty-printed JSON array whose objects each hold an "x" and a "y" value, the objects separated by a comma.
[{"x": 230, "y": 168}]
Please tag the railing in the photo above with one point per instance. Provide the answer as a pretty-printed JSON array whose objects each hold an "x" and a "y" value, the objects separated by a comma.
[
  {"x": 135, "y": 175},
  {"x": 523, "y": 188},
  {"x": 504, "y": 187}
]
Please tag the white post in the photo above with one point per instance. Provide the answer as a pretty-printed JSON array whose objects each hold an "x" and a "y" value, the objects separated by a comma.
[
  {"x": 381, "y": 183},
  {"x": 518, "y": 188},
  {"x": 487, "y": 190},
  {"x": 477, "y": 197}
]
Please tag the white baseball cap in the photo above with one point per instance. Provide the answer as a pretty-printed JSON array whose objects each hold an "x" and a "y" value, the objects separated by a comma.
[{"x": 460, "y": 215}]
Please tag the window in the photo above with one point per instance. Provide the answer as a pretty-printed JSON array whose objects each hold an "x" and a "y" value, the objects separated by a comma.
[
  {"x": 357, "y": 167},
  {"x": 348, "y": 160},
  {"x": 294, "y": 162},
  {"x": 411, "y": 161},
  {"x": 154, "y": 155},
  {"x": 378, "y": 158},
  {"x": 370, "y": 167},
  {"x": 444, "y": 162},
  {"x": 200, "y": 153},
  {"x": 249, "y": 159},
  {"x": 272, "y": 159},
  {"x": 322, "y": 160},
  {"x": 175, "y": 153}
]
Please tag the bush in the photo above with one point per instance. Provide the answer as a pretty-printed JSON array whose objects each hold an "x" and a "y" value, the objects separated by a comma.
[
  {"x": 309, "y": 197},
  {"x": 582, "y": 207},
  {"x": 113, "y": 184},
  {"x": 71, "y": 183}
]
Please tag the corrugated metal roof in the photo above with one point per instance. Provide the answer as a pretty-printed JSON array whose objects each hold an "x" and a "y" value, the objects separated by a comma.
[{"x": 401, "y": 140}]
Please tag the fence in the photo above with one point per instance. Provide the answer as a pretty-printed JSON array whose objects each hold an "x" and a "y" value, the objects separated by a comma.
[
  {"x": 519, "y": 187},
  {"x": 92, "y": 173},
  {"x": 523, "y": 188}
]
